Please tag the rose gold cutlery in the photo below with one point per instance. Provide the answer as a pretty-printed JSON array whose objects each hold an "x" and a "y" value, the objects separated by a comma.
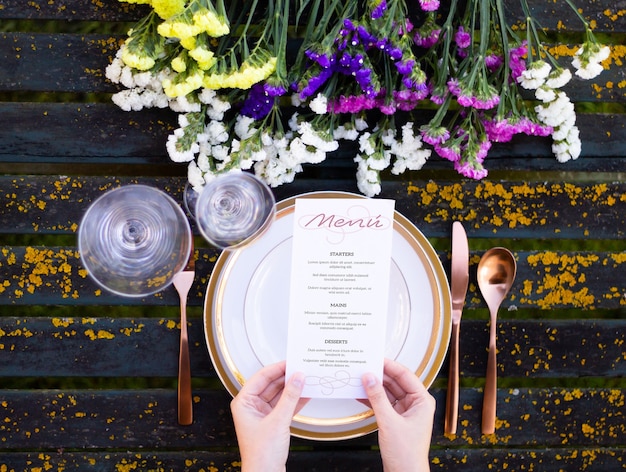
[
  {"x": 458, "y": 286},
  {"x": 182, "y": 283},
  {"x": 496, "y": 272}
]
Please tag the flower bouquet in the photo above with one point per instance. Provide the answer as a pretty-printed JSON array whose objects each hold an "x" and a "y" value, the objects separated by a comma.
[{"x": 363, "y": 71}]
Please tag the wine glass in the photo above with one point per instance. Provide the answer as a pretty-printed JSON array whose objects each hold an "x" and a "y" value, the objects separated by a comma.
[
  {"x": 232, "y": 210},
  {"x": 134, "y": 239}
]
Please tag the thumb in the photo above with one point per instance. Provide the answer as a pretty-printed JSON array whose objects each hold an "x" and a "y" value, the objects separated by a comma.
[
  {"x": 377, "y": 396},
  {"x": 288, "y": 402}
]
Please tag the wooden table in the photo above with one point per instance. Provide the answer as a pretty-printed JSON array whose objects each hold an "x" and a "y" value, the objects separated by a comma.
[{"x": 87, "y": 379}]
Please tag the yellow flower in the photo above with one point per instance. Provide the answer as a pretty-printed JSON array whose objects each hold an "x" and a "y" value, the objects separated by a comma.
[
  {"x": 179, "y": 89},
  {"x": 205, "y": 58},
  {"x": 166, "y": 8},
  {"x": 215, "y": 81},
  {"x": 188, "y": 43},
  {"x": 178, "y": 29},
  {"x": 211, "y": 23},
  {"x": 138, "y": 62},
  {"x": 179, "y": 64}
]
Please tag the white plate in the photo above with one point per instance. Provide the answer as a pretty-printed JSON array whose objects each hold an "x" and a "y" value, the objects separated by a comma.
[{"x": 246, "y": 309}]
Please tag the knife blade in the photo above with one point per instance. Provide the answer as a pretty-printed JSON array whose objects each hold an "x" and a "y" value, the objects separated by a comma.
[{"x": 458, "y": 288}]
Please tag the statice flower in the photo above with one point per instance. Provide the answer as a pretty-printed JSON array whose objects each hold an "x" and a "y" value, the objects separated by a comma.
[{"x": 365, "y": 73}]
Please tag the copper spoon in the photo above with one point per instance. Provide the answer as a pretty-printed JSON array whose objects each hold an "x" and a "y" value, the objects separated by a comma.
[{"x": 496, "y": 272}]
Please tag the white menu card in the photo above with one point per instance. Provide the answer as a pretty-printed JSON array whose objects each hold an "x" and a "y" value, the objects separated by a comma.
[{"x": 338, "y": 301}]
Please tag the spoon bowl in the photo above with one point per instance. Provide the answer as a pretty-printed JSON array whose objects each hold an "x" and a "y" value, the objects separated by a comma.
[{"x": 495, "y": 275}]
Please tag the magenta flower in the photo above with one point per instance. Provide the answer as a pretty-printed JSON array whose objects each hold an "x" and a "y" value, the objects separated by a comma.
[
  {"x": 470, "y": 169},
  {"x": 462, "y": 38},
  {"x": 429, "y": 5}
]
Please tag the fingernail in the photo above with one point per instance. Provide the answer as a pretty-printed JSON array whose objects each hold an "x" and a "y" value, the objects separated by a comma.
[
  {"x": 369, "y": 380},
  {"x": 298, "y": 379}
]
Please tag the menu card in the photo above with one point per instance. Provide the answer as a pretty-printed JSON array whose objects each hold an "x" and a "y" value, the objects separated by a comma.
[{"x": 338, "y": 302}]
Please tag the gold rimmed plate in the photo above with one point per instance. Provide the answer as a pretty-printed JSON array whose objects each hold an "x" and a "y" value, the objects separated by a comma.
[{"x": 246, "y": 313}]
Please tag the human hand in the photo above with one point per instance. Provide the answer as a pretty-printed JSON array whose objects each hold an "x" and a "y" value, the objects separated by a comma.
[
  {"x": 262, "y": 412},
  {"x": 405, "y": 413}
]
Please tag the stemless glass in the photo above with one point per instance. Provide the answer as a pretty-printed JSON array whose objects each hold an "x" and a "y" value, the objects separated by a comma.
[
  {"x": 134, "y": 239},
  {"x": 233, "y": 209}
]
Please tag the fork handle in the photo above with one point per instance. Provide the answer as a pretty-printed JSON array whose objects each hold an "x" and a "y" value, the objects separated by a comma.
[
  {"x": 452, "y": 394},
  {"x": 185, "y": 408}
]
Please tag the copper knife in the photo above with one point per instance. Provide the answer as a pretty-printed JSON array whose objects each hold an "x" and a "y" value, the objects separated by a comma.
[{"x": 458, "y": 286}]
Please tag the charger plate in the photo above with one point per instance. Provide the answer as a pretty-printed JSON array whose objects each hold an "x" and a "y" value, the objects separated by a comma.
[{"x": 246, "y": 313}]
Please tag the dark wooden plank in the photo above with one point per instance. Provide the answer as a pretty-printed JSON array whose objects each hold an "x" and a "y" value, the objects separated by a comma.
[
  {"x": 544, "y": 460},
  {"x": 148, "y": 347},
  {"x": 65, "y": 62},
  {"x": 75, "y": 133},
  {"x": 488, "y": 208},
  {"x": 451, "y": 460},
  {"x": 45, "y": 419},
  {"x": 545, "y": 280},
  {"x": 71, "y": 10},
  {"x": 99, "y": 347},
  {"x": 56, "y": 62},
  {"x": 604, "y": 16}
]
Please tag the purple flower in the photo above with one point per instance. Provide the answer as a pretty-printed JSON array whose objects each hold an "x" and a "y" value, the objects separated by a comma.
[
  {"x": 379, "y": 11},
  {"x": 314, "y": 83},
  {"x": 493, "y": 61},
  {"x": 426, "y": 39},
  {"x": 454, "y": 87},
  {"x": 463, "y": 38},
  {"x": 473, "y": 170},
  {"x": 435, "y": 135},
  {"x": 488, "y": 103},
  {"x": 258, "y": 104},
  {"x": 452, "y": 152},
  {"x": 517, "y": 63},
  {"x": 429, "y": 5},
  {"x": 500, "y": 131},
  {"x": 405, "y": 67},
  {"x": 465, "y": 100}
]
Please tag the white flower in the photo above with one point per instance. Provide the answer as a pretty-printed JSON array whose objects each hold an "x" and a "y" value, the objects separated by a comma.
[
  {"x": 204, "y": 164},
  {"x": 181, "y": 104},
  {"x": 318, "y": 140},
  {"x": 195, "y": 176},
  {"x": 545, "y": 93},
  {"x": 341, "y": 132},
  {"x": 243, "y": 127},
  {"x": 535, "y": 76},
  {"x": 177, "y": 155},
  {"x": 592, "y": 70},
  {"x": 365, "y": 144},
  {"x": 558, "y": 78},
  {"x": 220, "y": 152},
  {"x": 114, "y": 70},
  {"x": 295, "y": 100},
  {"x": 216, "y": 132},
  {"x": 588, "y": 58},
  {"x": 569, "y": 148},
  {"x": 360, "y": 124},
  {"x": 128, "y": 100},
  {"x": 368, "y": 180},
  {"x": 319, "y": 104}
]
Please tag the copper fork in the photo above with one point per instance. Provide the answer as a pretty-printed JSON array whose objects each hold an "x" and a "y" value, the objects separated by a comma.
[{"x": 182, "y": 283}]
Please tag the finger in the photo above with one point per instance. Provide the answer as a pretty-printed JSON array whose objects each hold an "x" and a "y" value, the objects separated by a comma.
[
  {"x": 290, "y": 399},
  {"x": 269, "y": 377},
  {"x": 377, "y": 396},
  {"x": 400, "y": 379}
]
